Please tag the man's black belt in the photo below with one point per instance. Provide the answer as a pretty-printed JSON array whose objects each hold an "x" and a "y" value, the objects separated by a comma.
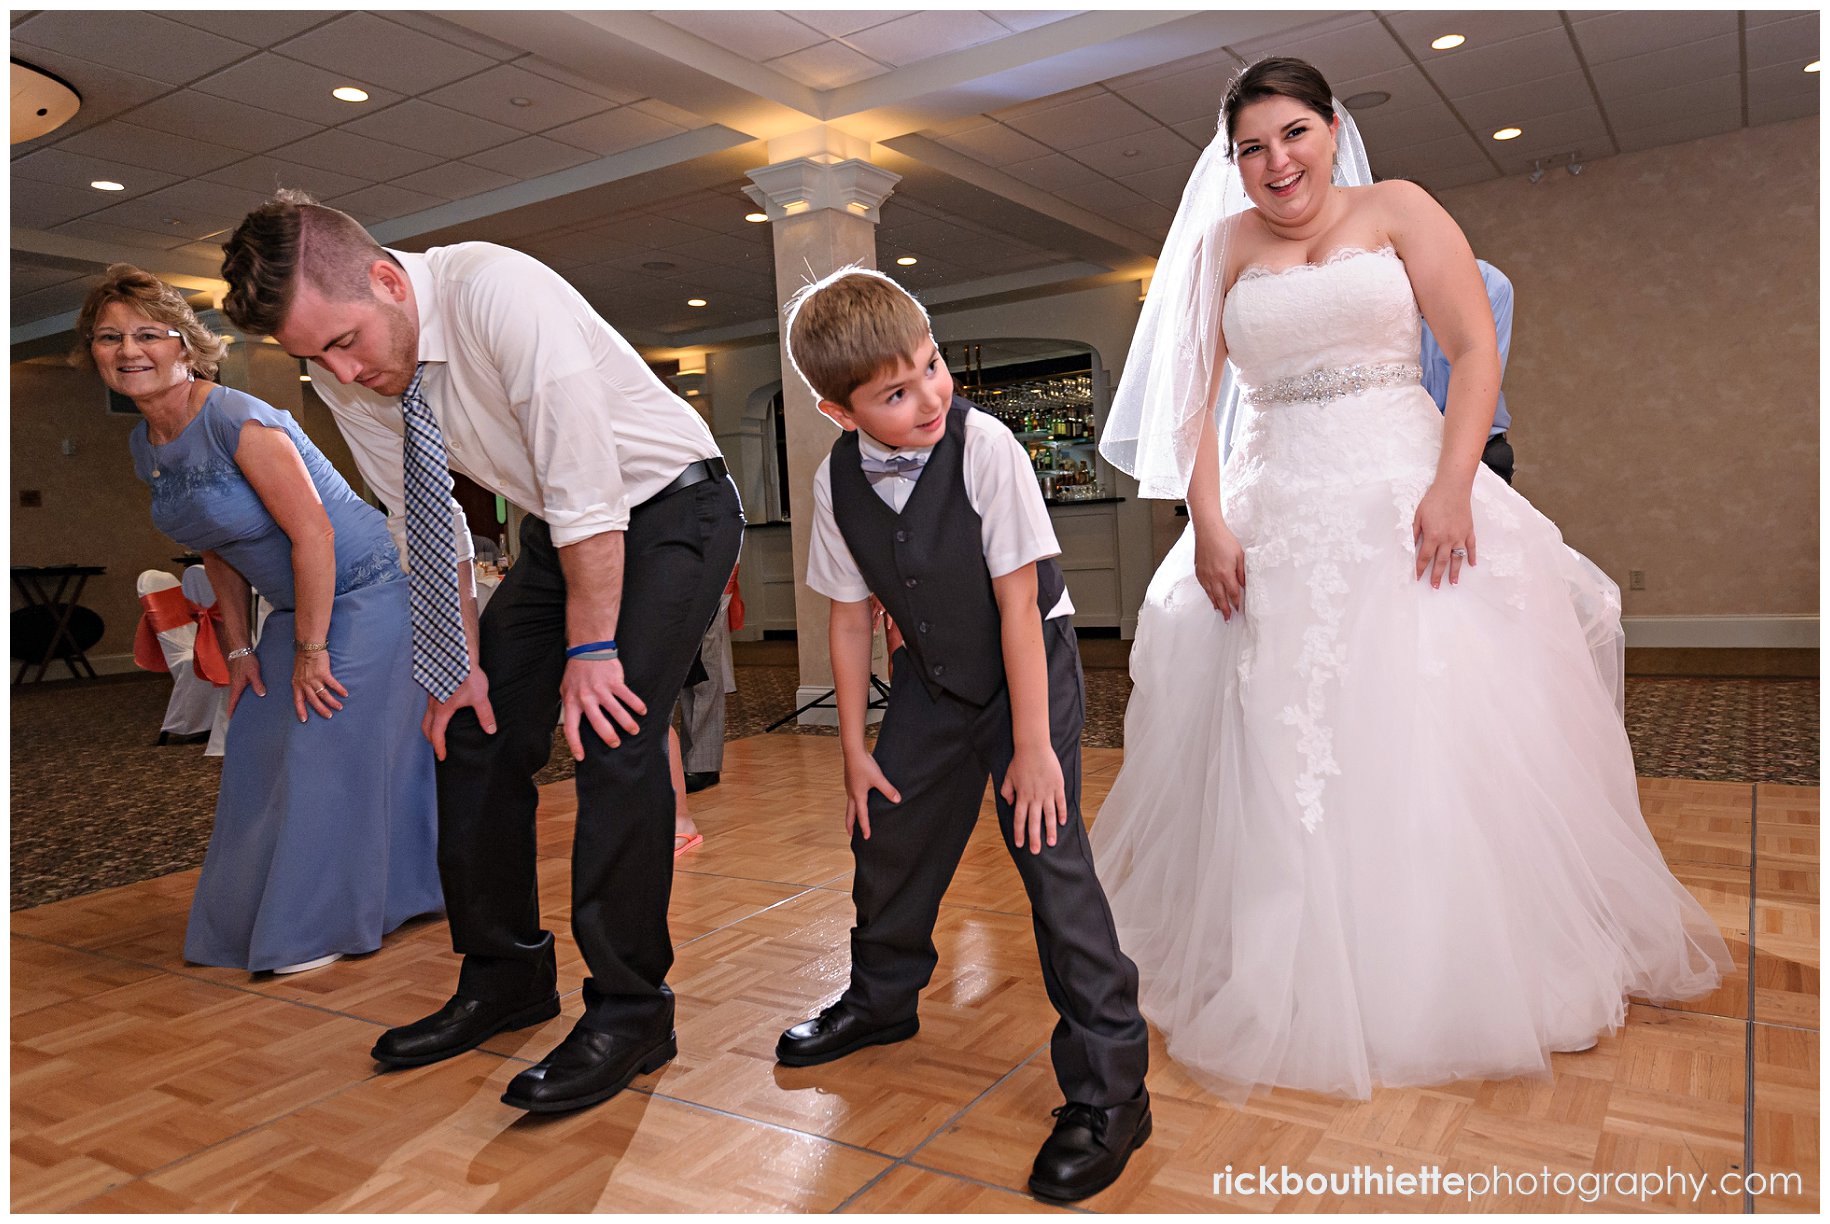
[{"x": 694, "y": 473}]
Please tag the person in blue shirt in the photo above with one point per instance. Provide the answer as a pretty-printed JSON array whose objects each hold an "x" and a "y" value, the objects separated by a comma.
[{"x": 1498, "y": 454}]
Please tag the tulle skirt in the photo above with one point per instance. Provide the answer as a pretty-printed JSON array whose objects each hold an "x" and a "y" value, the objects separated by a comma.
[{"x": 1370, "y": 833}]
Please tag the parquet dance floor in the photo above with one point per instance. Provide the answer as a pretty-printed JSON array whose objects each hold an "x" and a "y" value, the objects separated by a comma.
[{"x": 143, "y": 1084}]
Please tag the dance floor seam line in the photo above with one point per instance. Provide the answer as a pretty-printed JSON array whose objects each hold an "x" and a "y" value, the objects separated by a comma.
[
  {"x": 808, "y": 890},
  {"x": 1753, "y": 991}
]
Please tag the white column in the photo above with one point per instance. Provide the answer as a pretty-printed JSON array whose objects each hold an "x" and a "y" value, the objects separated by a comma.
[{"x": 822, "y": 197}]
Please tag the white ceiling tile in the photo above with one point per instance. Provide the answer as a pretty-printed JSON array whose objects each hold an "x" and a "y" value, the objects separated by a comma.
[
  {"x": 1575, "y": 131},
  {"x": 451, "y": 32},
  {"x": 1692, "y": 125},
  {"x": 1360, "y": 49},
  {"x": 1407, "y": 86},
  {"x": 1219, "y": 64},
  {"x": 487, "y": 95},
  {"x": 1638, "y": 32},
  {"x": 1104, "y": 116},
  {"x": 371, "y": 48},
  {"x": 1049, "y": 102},
  {"x": 190, "y": 210},
  {"x": 1384, "y": 128},
  {"x": 613, "y": 131},
  {"x": 1665, "y": 69},
  {"x": 97, "y": 231},
  {"x": 1517, "y": 105},
  {"x": 1164, "y": 186},
  {"x": 419, "y": 124},
  {"x": 1029, "y": 19},
  {"x": 152, "y": 46},
  {"x": 678, "y": 116},
  {"x": 720, "y": 209},
  {"x": 244, "y": 127},
  {"x": 1780, "y": 109},
  {"x": 924, "y": 35},
  {"x": 276, "y": 83},
  {"x": 651, "y": 231},
  {"x": 58, "y": 299},
  {"x": 384, "y": 201},
  {"x": 255, "y": 27},
  {"x": 454, "y": 181},
  {"x": 1277, "y": 43},
  {"x": 42, "y": 205},
  {"x": 1481, "y": 27},
  {"x": 1791, "y": 43},
  {"x": 1517, "y": 61},
  {"x": 553, "y": 72},
  {"x": 118, "y": 140},
  {"x": 68, "y": 169},
  {"x": 1178, "y": 98},
  {"x": 1049, "y": 173},
  {"x": 1141, "y": 151},
  {"x": 1101, "y": 194},
  {"x": 996, "y": 145},
  {"x": 836, "y": 23},
  {"x": 1664, "y": 105},
  {"x": 1202, "y": 131},
  {"x": 530, "y": 157},
  {"x": 1427, "y": 155},
  {"x": 269, "y": 174},
  {"x": 828, "y": 65},
  {"x": 1784, "y": 81},
  {"x": 343, "y": 151},
  {"x": 754, "y": 33},
  {"x": 1760, "y": 17},
  {"x": 28, "y": 277}
]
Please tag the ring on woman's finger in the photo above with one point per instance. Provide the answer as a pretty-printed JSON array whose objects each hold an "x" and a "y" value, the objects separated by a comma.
[
  {"x": 320, "y": 689},
  {"x": 1458, "y": 552}
]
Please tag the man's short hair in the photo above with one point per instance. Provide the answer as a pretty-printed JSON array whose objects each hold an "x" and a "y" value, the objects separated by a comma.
[
  {"x": 289, "y": 236},
  {"x": 847, "y": 328}
]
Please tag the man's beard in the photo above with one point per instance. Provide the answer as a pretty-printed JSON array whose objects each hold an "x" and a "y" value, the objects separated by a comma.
[{"x": 403, "y": 352}]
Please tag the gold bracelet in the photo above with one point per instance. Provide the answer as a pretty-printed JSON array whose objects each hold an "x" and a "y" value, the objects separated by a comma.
[{"x": 310, "y": 647}]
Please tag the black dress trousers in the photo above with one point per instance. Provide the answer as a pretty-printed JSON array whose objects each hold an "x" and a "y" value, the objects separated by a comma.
[{"x": 679, "y": 551}]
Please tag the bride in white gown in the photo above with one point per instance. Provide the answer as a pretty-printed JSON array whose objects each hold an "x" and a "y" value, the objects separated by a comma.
[{"x": 1371, "y": 828}]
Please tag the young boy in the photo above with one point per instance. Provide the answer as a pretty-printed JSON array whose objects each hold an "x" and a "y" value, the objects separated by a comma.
[{"x": 932, "y": 506}]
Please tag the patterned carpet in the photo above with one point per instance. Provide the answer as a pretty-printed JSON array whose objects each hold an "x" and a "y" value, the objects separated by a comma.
[{"x": 96, "y": 804}]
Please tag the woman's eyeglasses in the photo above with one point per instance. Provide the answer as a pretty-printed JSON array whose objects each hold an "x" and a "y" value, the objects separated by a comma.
[{"x": 145, "y": 337}]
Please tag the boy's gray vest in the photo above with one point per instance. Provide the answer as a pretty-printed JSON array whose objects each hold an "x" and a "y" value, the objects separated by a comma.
[{"x": 927, "y": 565}]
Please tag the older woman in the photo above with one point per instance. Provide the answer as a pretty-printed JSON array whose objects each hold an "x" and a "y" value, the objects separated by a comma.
[{"x": 324, "y": 837}]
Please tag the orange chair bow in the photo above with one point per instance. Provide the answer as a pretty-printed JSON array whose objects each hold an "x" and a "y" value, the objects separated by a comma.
[{"x": 169, "y": 609}]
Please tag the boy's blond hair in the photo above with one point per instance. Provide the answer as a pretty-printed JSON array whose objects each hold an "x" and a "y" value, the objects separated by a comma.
[{"x": 847, "y": 328}]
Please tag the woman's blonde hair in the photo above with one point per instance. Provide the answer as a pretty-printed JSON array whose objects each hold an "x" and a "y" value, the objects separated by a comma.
[{"x": 159, "y": 302}]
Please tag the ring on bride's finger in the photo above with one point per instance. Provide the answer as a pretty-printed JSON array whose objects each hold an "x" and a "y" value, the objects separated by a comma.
[{"x": 1458, "y": 552}]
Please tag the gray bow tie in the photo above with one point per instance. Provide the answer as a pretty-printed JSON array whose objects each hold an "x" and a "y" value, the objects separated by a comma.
[{"x": 878, "y": 470}]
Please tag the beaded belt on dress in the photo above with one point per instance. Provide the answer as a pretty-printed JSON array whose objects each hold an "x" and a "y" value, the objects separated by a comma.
[{"x": 1321, "y": 386}]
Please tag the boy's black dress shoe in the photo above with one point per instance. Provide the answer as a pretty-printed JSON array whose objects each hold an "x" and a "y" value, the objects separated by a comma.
[
  {"x": 836, "y": 1032},
  {"x": 587, "y": 1067},
  {"x": 462, "y": 1024},
  {"x": 1089, "y": 1148},
  {"x": 696, "y": 782}
]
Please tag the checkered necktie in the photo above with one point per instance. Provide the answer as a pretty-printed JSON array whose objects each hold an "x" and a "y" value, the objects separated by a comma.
[{"x": 440, "y": 659}]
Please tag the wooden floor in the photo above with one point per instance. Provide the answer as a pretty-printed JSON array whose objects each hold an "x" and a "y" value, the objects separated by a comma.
[{"x": 144, "y": 1084}]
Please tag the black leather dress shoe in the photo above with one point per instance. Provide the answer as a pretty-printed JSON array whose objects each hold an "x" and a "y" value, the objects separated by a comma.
[
  {"x": 1089, "y": 1148},
  {"x": 462, "y": 1024},
  {"x": 587, "y": 1067},
  {"x": 696, "y": 782},
  {"x": 836, "y": 1032}
]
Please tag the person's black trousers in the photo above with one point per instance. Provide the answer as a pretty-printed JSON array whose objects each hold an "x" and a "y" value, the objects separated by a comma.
[
  {"x": 1498, "y": 456},
  {"x": 679, "y": 551},
  {"x": 939, "y": 753}
]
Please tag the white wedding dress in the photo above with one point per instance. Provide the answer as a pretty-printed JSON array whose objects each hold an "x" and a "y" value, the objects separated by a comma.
[{"x": 1370, "y": 832}]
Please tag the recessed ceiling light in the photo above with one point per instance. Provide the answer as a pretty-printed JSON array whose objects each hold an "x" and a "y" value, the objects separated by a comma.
[
  {"x": 695, "y": 301},
  {"x": 304, "y": 378},
  {"x": 1131, "y": 152},
  {"x": 1509, "y": 133},
  {"x": 907, "y": 261},
  {"x": 1367, "y": 100},
  {"x": 754, "y": 218},
  {"x": 1813, "y": 66},
  {"x": 349, "y": 93},
  {"x": 520, "y": 101},
  {"x": 660, "y": 265},
  {"x": 1447, "y": 42},
  {"x": 107, "y": 185},
  {"x": 691, "y": 392}
]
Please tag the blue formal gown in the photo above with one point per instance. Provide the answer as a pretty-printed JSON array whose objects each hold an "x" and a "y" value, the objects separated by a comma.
[{"x": 325, "y": 836}]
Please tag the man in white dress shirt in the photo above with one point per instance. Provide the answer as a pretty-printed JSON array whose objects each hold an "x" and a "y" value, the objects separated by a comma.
[{"x": 634, "y": 529}]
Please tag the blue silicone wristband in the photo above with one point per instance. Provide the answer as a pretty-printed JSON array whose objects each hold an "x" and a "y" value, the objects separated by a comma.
[{"x": 572, "y": 652}]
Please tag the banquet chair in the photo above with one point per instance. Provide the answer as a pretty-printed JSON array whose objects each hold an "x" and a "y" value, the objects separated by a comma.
[
  {"x": 167, "y": 641},
  {"x": 199, "y": 592}
]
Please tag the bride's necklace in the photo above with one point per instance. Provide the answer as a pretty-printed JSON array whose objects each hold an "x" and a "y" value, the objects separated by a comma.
[{"x": 195, "y": 405}]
